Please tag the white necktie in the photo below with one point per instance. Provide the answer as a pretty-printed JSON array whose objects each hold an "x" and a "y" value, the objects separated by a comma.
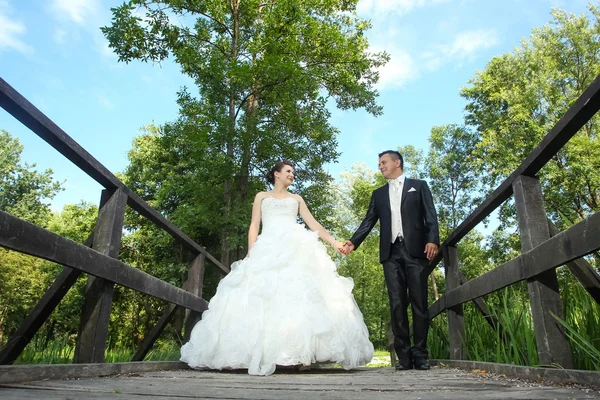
[{"x": 395, "y": 202}]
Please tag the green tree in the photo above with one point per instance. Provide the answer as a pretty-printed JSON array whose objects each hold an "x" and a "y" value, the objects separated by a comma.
[
  {"x": 21, "y": 285},
  {"x": 453, "y": 180},
  {"x": 349, "y": 201},
  {"x": 24, "y": 279},
  {"x": 265, "y": 72},
  {"x": 520, "y": 95},
  {"x": 23, "y": 190},
  {"x": 75, "y": 222},
  {"x": 414, "y": 163}
]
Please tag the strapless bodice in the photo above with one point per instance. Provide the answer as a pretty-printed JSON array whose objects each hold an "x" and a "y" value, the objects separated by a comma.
[{"x": 278, "y": 213}]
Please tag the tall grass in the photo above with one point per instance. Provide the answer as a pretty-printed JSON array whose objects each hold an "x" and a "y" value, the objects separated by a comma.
[
  {"x": 61, "y": 350},
  {"x": 39, "y": 351},
  {"x": 515, "y": 342},
  {"x": 582, "y": 324}
]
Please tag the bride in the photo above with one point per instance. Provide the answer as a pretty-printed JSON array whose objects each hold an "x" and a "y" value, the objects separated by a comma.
[{"x": 284, "y": 304}]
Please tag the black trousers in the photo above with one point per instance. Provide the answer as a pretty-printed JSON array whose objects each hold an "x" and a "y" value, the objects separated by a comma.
[{"x": 407, "y": 285}]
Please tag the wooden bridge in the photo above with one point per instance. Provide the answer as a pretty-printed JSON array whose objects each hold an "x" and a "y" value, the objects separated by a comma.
[
  {"x": 288, "y": 384},
  {"x": 544, "y": 249}
]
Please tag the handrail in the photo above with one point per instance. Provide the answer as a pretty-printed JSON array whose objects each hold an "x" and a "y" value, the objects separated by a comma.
[
  {"x": 578, "y": 114},
  {"x": 19, "y": 107}
]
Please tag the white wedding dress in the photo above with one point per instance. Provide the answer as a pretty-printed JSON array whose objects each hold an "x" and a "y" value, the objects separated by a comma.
[{"x": 284, "y": 304}]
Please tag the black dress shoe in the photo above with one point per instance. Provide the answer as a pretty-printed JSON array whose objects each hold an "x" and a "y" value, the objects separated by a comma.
[
  {"x": 422, "y": 363},
  {"x": 404, "y": 364}
]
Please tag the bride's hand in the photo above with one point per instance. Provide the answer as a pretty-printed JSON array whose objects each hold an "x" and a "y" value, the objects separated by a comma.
[{"x": 339, "y": 247}]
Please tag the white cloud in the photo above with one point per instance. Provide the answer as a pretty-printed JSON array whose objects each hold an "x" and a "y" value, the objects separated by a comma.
[
  {"x": 401, "y": 68},
  {"x": 377, "y": 8},
  {"x": 465, "y": 47},
  {"x": 11, "y": 30},
  {"x": 80, "y": 19},
  {"x": 59, "y": 36},
  {"x": 78, "y": 11},
  {"x": 402, "y": 40},
  {"x": 106, "y": 51},
  {"x": 467, "y": 44},
  {"x": 105, "y": 102},
  {"x": 366, "y": 140},
  {"x": 398, "y": 71},
  {"x": 431, "y": 60}
]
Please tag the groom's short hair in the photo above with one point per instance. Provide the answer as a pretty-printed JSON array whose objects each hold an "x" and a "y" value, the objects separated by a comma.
[{"x": 394, "y": 155}]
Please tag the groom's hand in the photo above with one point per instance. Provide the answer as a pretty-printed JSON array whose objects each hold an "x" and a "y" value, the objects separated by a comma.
[
  {"x": 431, "y": 249},
  {"x": 348, "y": 247}
]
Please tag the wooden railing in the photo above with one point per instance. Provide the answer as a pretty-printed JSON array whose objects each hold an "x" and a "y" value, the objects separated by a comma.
[
  {"x": 543, "y": 249},
  {"x": 98, "y": 256}
]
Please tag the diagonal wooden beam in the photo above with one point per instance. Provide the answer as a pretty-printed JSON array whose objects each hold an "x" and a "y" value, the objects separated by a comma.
[
  {"x": 24, "y": 237},
  {"x": 582, "y": 270},
  {"x": 40, "y": 313},
  {"x": 193, "y": 284},
  {"x": 154, "y": 334},
  {"x": 577, "y": 241}
]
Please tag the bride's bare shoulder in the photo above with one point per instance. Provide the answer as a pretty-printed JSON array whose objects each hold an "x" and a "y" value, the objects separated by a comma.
[
  {"x": 298, "y": 198},
  {"x": 260, "y": 195}
]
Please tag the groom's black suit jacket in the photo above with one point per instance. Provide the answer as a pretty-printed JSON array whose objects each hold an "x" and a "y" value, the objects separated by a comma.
[{"x": 419, "y": 219}]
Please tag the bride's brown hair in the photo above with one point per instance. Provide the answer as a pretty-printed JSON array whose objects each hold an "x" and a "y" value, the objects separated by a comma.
[{"x": 277, "y": 168}]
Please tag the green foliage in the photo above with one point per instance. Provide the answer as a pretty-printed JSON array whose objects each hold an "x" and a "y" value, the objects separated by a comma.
[
  {"x": 264, "y": 74},
  {"x": 75, "y": 221},
  {"x": 21, "y": 285},
  {"x": 23, "y": 190},
  {"x": 59, "y": 350},
  {"x": 519, "y": 97},
  {"x": 582, "y": 322},
  {"x": 24, "y": 279},
  {"x": 453, "y": 184}
]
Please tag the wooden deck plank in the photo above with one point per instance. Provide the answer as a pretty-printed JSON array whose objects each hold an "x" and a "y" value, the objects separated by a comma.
[{"x": 383, "y": 383}]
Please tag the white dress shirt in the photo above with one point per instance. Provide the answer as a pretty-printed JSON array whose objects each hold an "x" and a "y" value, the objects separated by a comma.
[{"x": 396, "y": 186}]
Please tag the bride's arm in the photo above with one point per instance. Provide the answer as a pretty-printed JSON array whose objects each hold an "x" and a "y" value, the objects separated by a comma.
[
  {"x": 315, "y": 226},
  {"x": 255, "y": 221}
]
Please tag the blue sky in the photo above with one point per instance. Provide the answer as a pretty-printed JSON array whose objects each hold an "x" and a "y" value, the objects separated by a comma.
[{"x": 53, "y": 53}]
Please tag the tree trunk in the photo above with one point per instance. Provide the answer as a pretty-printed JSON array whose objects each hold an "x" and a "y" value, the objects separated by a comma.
[{"x": 229, "y": 182}]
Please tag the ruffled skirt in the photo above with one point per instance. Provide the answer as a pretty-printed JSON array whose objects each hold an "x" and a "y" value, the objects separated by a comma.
[{"x": 285, "y": 304}]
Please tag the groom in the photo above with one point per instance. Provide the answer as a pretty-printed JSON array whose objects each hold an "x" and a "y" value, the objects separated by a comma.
[{"x": 409, "y": 237}]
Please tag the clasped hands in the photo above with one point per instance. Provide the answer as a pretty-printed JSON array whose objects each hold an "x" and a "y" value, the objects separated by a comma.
[
  {"x": 343, "y": 248},
  {"x": 431, "y": 249}
]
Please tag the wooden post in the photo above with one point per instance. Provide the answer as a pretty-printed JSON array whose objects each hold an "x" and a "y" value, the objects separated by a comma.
[
  {"x": 552, "y": 343},
  {"x": 456, "y": 322},
  {"x": 93, "y": 331},
  {"x": 40, "y": 313},
  {"x": 195, "y": 281}
]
